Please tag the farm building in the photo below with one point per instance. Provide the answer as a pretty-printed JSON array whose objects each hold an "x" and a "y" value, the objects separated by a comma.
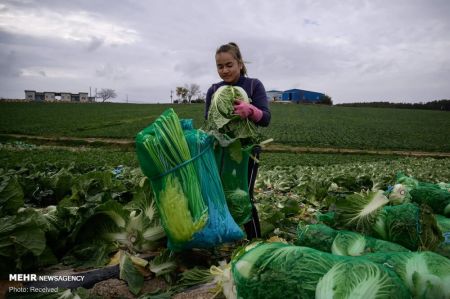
[
  {"x": 47, "y": 96},
  {"x": 299, "y": 95},
  {"x": 274, "y": 95}
]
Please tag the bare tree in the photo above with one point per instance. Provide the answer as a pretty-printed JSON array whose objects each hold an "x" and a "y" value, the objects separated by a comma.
[
  {"x": 192, "y": 90},
  {"x": 181, "y": 92},
  {"x": 106, "y": 93}
]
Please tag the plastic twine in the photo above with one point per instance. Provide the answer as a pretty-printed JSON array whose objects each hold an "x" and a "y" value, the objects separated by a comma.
[{"x": 159, "y": 176}]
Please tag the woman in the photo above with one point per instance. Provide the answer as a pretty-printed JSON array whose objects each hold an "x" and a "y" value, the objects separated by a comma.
[{"x": 231, "y": 69}]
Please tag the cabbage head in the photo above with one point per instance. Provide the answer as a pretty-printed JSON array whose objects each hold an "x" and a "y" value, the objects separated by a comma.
[
  {"x": 359, "y": 210},
  {"x": 222, "y": 122},
  {"x": 360, "y": 279}
]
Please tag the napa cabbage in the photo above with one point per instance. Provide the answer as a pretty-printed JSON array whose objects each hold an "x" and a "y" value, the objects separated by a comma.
[
  {"x": 278, "y": 270},
  {"x": 348, "y": 244},
  {"x": 226, "y": 126},
  {"x": 437, "y": 196},
  {"x": 360, "y": 279},
  {"x": 399, "y": 194},
  {"x": 342, "y": 242},
  {"x": 359, "y": 210},
  {"x": 274, "y": 270},
  {"x": 426, "y": 274}
]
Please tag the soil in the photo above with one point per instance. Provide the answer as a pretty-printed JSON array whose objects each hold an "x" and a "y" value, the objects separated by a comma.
[
  {"x": 206, "y": 291},
  {"x": 116, "y": 288}
]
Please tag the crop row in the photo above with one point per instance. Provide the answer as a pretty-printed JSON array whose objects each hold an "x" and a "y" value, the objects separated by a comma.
[{"x": 302, "y": 125}]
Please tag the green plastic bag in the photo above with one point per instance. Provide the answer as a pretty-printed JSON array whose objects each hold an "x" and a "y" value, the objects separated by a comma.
[
  {"x": 232, "y": 162},
  {"x": 220, "y": 227},
  {"x": 180, "y": 162},
  {"x": 164, "y": 157}
]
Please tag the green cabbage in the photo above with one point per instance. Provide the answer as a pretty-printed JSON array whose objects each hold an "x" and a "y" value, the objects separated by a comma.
[
  {"x": 164, "y": 157},
  {"x": 359, "y": 210},
  {"x": 356, "y": 279},
  {"x": 223, "y": 123},
  {"x": 426, "y": 274},
  {"x": 399, "y": 194},
  {"x": 175, "y": 214},
  {"x": 278, "y": 270},
  {"x": 437, "y": 196},
  {"x": 342, "y": 242},
  {"x": 407, "y": 224},
  {"x": 352, "y": 244}
]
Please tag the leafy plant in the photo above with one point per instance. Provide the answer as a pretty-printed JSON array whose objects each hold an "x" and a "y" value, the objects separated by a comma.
[
  {"x": 223, "y": 123},
  {"x": 359, "y": 210}
]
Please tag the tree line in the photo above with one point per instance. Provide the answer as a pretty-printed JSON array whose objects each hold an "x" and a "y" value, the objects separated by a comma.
[
  {"x": 189, "y": 93},
  {"x": 443, "y": 105}
]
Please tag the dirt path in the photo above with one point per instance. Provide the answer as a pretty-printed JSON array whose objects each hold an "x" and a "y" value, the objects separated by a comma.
[
  {"x": 62, "y": 139},
  {"x": 271, "y": 147},
  {"x": 298, "y": 149}
]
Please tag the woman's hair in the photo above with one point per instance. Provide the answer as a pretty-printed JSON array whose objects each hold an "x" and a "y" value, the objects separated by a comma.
[{"x": 233, "y": 49}]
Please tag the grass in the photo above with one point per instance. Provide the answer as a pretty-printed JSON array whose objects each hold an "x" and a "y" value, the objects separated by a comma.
[{"x": 301, "y": 125}]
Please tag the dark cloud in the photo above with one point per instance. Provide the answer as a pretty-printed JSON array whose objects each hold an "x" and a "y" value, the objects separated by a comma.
[
  {"x": 352, "y": 50},
  {"x": 113, "y": 72},
  {"x": 95, "y": 43},
  {"x": 308, "y": 22},
  {"x": 191, "y": 68},
  {"x": 9, "y": 64}
]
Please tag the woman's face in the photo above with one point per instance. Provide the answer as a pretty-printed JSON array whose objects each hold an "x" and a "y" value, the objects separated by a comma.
[{"x": 228, "y": 67}]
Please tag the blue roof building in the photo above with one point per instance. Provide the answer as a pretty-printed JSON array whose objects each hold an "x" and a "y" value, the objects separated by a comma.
[{"x": 301, "y": 96}]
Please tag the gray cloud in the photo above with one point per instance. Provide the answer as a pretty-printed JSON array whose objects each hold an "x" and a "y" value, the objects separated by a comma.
[
  {"x": 9, "y": 64},
  {"x": 111, "y": 71},
  {"x": 352, "y": 50},
  {"x": 95, "y": 43}
]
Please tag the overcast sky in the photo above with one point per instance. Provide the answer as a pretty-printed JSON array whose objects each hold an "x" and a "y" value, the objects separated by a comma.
[{"x": 351, "y": 50}]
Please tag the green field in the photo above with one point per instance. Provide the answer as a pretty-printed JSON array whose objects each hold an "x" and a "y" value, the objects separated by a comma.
[
  {"x": 58, "y": 193},
  {"x": 297, "y": 125},
  {"x": 293, "y": 125}
]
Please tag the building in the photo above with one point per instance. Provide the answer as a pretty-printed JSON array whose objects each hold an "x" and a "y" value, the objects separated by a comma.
[
  {"x": 50, "y": 96},
  {"x": 301, "y": 96},
  {"x": 30, "y": 95},
  {"x": 274, "y": 95},
  {"x": 66, "y": 96}
]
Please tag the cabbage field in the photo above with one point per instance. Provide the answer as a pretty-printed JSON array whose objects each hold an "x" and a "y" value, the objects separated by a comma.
[{"x": 74, "y": 201}]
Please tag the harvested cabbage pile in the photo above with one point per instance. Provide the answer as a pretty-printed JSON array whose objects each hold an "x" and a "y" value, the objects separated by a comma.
[
  {"x": 223, "y": 123},
  {"x": 342, "y": 242},
  {"x": 437, "y": 196},
  {"x": 277, "y": 270},
  {"x": 408, "y": 224}
]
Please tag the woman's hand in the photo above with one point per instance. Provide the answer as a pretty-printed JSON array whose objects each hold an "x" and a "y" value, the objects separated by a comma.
[{"x": 246, "y": 110}]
